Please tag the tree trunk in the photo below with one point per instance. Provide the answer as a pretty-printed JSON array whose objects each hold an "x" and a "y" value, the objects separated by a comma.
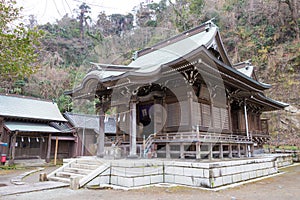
[{"x": 294, "y": 14}]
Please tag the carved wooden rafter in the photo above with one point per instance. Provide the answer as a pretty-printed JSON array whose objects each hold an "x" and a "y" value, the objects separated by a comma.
[{"x": 191, "y": 76}]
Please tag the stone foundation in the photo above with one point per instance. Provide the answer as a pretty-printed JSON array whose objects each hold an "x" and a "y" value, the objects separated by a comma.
[
  {"x": 283, "y": 160},
  {"x": 135, "y": 173}
]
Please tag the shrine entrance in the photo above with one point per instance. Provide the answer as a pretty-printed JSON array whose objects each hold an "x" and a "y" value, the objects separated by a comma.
[{"x": 145, "y": 120}]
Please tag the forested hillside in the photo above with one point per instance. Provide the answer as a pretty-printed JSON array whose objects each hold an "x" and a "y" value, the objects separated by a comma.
[{"x": 265, "y": 31}]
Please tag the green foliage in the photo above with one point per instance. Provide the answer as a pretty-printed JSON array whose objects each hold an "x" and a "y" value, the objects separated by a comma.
[
  {"x": 196, "y": 7},
  {"x": 8, "y": 167},
  {"x": 19, "y": 45},
  {"x": 64, "y": 103},
  {"x": 64, "y": 39},
  {"x": 84, "y": 106}
]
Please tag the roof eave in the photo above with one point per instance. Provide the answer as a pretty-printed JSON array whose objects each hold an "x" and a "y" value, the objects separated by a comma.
[{"x": 270, "y": 104}]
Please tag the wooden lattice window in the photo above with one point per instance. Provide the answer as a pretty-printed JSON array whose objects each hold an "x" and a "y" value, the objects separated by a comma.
[{"x": 206, "y": 115}]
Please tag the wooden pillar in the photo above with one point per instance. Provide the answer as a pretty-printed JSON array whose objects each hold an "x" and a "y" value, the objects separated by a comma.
[
  {"x": 229, "y": 115},
  {"x": 181, "y": 150},
  {"x": 2, "y": 149},
  {"x": 239, "y": 150},
  {"x": 212, "y": 123},
  {"x": 246, "y": 150},
  {"x": 101, "y": 137},
  {"x": 56, "y": 150},
  {"x": 133, "y": 127},
  {"x": 12, "y": 148},
  {"x": 1, "y": 129},
  {"x": 198, "y": 150},
  {"x": 210, "y": 149},
  {"x": 168, "y": 154},
  {"x": 41, "y": 149},
  {"x": 190, "y": 110},
  {"x": 230, "y": 150},
  {"x": 75, "y": 147},
  {"x": 247, "y": 128},
  {"x": 251, "y": 149},
  {"x": 48, "y": 149},
  {"x": 164, "y": 114},
  {"x": 221, "y": 151}
]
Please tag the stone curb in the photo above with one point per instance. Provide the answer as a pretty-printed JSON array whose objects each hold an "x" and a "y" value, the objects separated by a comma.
[
  {"x": 19, "y": 189},
  {"x": 18, "y": 180}
]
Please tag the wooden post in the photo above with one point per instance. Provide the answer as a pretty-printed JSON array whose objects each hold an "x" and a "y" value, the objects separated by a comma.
[
  {"x": 247, "y": 128},
  {"x": 221, "y": 151},
  {"x": 1, "y": 130},
  {"x": 190, "y": 110},
  {"x": 210, "y": 149},
  {"x": 12, "y": 148},
  {"x": 168, "y": 154},
  {"x": 230, "y": 150},
  {"x": 181, "y": 150},
  {"x": 164, "y": 114},
  {"x": 101, "y": 137},
  {"x": 56, "y": 148},
  {"x": 133, "y": 127},
  {"x": 229, "y": 115},
  {"x": 212, "y": 123},
  {"x": 48, "y": 149},
  {"x": 246, "y": 150},
  {"x": 144, "y": 146},
  {"x": 41, "y": 149},
  {"x": 251, "y": 149},
  {"x": 198, "y": 150}
]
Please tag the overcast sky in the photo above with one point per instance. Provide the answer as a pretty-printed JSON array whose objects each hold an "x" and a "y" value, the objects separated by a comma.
[{"x": 50, "y": 10}]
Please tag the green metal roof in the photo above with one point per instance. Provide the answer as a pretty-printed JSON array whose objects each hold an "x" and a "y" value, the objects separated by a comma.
[
  {"x": 30, "y": 127},
  {"x": 152, "y": 61},
  {"x": 25, "y": 107},
  {"x": 149, "y": 62}
]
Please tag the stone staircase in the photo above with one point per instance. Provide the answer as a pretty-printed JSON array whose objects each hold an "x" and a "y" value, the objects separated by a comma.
[{"x": 83, "y": 170}]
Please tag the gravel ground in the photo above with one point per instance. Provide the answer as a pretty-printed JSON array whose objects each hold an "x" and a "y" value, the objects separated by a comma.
[{"x": 284, "y": 187}]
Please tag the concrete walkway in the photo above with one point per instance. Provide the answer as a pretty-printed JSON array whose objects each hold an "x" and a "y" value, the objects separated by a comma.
[
  {"x": 24, "y": 181},
  {"x": 18, "y": 189}
]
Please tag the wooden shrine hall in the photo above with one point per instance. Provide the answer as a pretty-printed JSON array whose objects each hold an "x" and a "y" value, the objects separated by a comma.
[
  {"x": 34, "y": 129},
  {"x": 181, "y": 98}
]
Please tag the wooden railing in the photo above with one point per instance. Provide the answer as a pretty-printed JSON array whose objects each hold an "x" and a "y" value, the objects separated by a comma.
[
  {"x": 200, "y": 137},
  {"x": 259, "y": 133},
  {"x": 191, "y": 137}
]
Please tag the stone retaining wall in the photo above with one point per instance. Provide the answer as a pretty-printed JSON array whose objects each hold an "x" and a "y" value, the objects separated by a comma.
[
  {"x": 283, "y": 160},
  {"x": 134, "y": 173}
]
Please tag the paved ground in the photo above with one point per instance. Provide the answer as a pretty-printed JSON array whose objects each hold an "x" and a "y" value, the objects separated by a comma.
[{"x": 284, "y": 187}]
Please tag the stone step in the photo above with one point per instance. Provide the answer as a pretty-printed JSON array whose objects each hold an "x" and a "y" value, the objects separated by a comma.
[
  {"x": 78, "y": 170},
  {"x": 59, "y": 179},
  {"x": 89, "y": 161},
  {"x": 68, "y": 175},
  {"x": 84, "y": 166}
]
